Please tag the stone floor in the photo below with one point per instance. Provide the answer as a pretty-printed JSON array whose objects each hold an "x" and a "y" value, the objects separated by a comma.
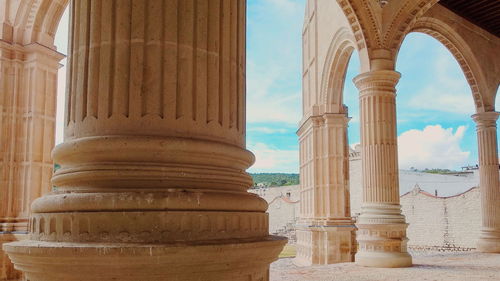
[{"x": 469, "y": 266}]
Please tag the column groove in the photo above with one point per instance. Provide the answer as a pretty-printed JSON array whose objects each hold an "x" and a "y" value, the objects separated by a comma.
[
  {"x": 325, "y": 226},
  {"x": 148, "y": 183},
  {"x": 381, "y": 226}
]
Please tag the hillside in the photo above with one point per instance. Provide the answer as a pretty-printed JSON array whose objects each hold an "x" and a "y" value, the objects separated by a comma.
[{"x": 275, "y": 179}]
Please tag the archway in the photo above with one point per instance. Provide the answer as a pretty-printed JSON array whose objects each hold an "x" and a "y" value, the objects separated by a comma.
[
  {"x": 377, "y": 93},
  {"x": 463, "y": 45},
  {"x": 435, "y": 140},
  {"x": 325, "y": 221},
  {"x": 34, "y": 32}
]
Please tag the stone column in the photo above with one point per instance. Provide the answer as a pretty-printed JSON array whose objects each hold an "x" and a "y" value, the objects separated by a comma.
[
  {"x": 489, "y": 241},
  {"x": 28, "y": 87},
  {"x": 152, "y": 184},
  {"x": 381, "y": 226},
  {"x": 325, "y": 230}
]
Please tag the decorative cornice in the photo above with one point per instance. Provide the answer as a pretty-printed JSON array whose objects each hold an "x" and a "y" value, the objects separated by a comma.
[
  {"x": 383, "y": 81},
  {"x": 357, "y": 26}
]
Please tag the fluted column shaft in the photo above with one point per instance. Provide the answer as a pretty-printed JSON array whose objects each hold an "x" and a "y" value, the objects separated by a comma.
[
  {"x": 489, "y": 182},
  {"x": 153, "y": 163},
  {"x": 334, "y": 156},
  {"x": 381, "y": 226},
  {"x": 166, "y": 68},
  {"x": 325, "y": 230}
]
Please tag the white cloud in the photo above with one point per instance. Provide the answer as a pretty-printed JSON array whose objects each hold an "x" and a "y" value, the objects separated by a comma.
[
  {"x": 447, "y": 92},
  {"x": 432, "y": 147},
  {"x": 264, "y": 102},
  {"x": 288, "y": 6},
  {"x": 271, "y": 159},
  {"x": 433, "y": 98},
  {"x": 273, "y": 109},
  {"x": 268, "y": 130},
  {"x": 274, "y": 72}
]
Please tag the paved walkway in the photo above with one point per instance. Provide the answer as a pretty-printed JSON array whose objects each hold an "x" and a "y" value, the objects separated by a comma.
[{"x": 469, "y": 266}]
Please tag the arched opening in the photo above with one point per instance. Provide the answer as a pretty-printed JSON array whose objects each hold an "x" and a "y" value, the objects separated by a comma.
[
  {"x": 324, "y": 153},
  {"x": 342, "y": 96},
  {"x": 325, "y": 145},
  {"x": 435, "y": 140}
]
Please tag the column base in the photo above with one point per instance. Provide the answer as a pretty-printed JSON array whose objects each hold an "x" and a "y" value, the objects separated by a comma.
[
  {"x": 382, "y": 236},
  {"x": 383, "y": 259},
  {"x": 246, "y": 260},
  {"x": 325, "y": 244},
  {"x": 7, "y": 271},
  {"x": 489, "y": 241}
]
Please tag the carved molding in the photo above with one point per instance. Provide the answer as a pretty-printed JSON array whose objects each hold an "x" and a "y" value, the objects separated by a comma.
[{"x": 168, "y": 226}]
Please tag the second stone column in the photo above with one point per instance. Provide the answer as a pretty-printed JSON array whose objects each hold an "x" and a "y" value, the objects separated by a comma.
[
  {"x": 152, "y": 184},
  {"x": 381, "y": 226},
  {"x": 489, "y": 241}
]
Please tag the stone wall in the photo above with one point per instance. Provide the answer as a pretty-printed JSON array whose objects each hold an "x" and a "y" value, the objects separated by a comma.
[
  {"x": 442, "y": 223},
  {"x": 435, "y": 223},
  {"x": 283, "y": 206}
]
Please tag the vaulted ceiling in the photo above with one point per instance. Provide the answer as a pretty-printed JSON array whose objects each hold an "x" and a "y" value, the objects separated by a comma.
[{"x": 483, "y": 13}]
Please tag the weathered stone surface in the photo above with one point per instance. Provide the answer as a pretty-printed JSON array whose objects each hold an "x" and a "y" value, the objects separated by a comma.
[
  {"x": 156, "y": 112},
  {"x": 28, "y": 79},
  {"x": 440, "y": 223},
  {"x": 152, "y": 184},
  {"x": 427, "y": 266},
  {"x": 376, "y": 33},
  {"x": 325, "y": 230}
]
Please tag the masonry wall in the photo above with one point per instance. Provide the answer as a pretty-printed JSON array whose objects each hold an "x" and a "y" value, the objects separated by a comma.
[
  {"x": 435, "y": 223},
  {"x": 283, "y": 206},
  {"x": 355, "y": 185},
  {"x": 451, "y": 223}
]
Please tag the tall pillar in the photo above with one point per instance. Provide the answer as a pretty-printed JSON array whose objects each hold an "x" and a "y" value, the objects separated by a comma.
[
  {"x": 381, "y": 226},
  {"x": 28, "y": 87},
  {"x": 325, "y": 230},
  {"x": 152, "y": 184},
  {"x": 489, "y": 241}
]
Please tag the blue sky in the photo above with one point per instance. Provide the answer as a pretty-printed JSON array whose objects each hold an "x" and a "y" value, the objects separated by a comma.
[{"x": 437, "y": 134}]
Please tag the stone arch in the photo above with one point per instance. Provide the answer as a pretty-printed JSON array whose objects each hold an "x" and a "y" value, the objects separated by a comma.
[
  {"x": 355, "y": 23},
  {"x": 460, "y": 51},
  {"x": 334, "y": 71},
  {"x": 32, "y": 21},
  {"x": 366, "y": 19},
  {"x": 408, "y": 13}
]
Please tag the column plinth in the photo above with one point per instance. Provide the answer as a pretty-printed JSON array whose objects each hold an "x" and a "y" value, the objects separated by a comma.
[
  {"x": 486, "y": 127},
  {"x": 152, "y": 184},
  {"x": 325, "y": 229},
  {"x": 381, "y": 226}
]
